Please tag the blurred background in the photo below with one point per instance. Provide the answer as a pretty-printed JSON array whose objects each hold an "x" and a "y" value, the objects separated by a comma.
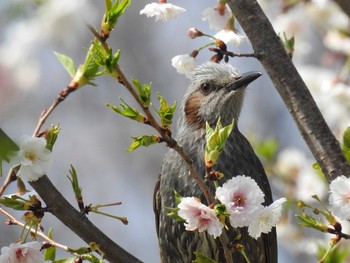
[{"x": 93, "y": 138}]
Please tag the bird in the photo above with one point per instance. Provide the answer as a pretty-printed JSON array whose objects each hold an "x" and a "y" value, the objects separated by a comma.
[{"x": 216, "y": 91}]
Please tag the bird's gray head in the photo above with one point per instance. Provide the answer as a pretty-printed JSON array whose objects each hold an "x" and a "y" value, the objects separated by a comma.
[{"x": 215, "y": 90}]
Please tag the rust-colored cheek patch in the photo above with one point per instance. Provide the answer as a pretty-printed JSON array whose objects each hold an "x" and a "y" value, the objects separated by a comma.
[{"x": 191, "y": 109}]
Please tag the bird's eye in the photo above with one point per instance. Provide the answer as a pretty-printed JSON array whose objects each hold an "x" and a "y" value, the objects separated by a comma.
[{"x": 205, "y": 88}]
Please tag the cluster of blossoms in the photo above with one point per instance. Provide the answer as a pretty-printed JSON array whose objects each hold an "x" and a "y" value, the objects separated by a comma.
[
  {"x": 220, "y": 18},
  {"x": 243, "y": 200},
  {"x": 33, "y": 157},
  {"x": 22, "y": 253}
]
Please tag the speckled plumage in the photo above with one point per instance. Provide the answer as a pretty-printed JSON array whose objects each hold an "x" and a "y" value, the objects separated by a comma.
[{"x": 238, "y": 158}]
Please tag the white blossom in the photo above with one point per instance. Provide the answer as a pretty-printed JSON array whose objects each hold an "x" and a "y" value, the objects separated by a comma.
[
  {"x": 243, "y": 199},
  {"x": 215, "y": 19},
  {"x": 290, "y": 162},
  {"x": 266, "y": 219},
  {"x": 339, "y": 197},
  {"x": 310, "y": 183},
  {"x": 229, "y": 36},
  {"x": 22, "y": 253},
  {"x": 184, "y": 64},
  {"x": 337, "y": 41},
  {"x": 199, "y": 216},
  {"x": 33, "y": 157},
  {"x": 162, "y": 11}
]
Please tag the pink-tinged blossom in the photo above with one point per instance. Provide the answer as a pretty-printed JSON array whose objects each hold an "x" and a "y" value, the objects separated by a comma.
[
  {"x": 22, "y": 253},
  {"x": 184, "y": 64},
  {"x": 33, "y": 157},
  {"x": 216, "y": 19},
  {"x": 199, "y": 216},
  {"x": 243, "y": 199},
  {"x": 162, "y": 11},
  {"x": 339, "y": 197},
  {"x": 194, "y": 32},
  {"x": 228, "y": 36},
  {"x": 267, "y": 218}
]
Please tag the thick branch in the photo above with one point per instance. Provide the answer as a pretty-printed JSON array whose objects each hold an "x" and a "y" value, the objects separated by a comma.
[
  {"x": 78, "y": 222},
  {"x": 291, "y": 87}
]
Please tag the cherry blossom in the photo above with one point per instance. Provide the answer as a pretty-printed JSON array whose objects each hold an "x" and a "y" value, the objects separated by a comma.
[
  {"x": 22, "y": 253},
  {"x": 243, "y": 199},
  {"x": 266, "y": 219},
  {"x": 199, "y": 216},
  {"x": 184, "y": 64},
  {"x": 162, "y": 11},
  {"x": 33, "y": 157},
  {"x": 229, "y": 36},
  {"x": 217, "y": 17}
]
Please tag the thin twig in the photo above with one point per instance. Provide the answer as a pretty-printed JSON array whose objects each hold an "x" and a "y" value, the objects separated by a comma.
[
  {"x": 61, "y": 96},
  {"x": 14, "y": 221}
]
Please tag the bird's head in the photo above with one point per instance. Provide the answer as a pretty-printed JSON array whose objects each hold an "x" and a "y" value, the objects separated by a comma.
[{"x": 215, "y": 90}]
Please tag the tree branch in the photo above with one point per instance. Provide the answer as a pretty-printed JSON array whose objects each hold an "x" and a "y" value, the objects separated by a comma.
[
  {"x": 79, "y": 223},
  {"x": 291, "y": 88}
]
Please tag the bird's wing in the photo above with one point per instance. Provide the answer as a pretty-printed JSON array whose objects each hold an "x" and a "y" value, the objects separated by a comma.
[{"x": 157, "y": 204}]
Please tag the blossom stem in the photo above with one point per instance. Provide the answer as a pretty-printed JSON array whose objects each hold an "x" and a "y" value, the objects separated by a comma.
[
  {"x": 224, "y": 242},
  {"x": 14, "y": 221}
]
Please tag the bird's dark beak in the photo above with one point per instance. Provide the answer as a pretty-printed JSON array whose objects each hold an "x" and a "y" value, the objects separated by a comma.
[{"x": 244, "y": 80}]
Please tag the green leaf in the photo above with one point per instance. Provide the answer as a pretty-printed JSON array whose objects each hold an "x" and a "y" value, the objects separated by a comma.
[
  {"x": 144, "y": 92},
  {"x": 346, "y": 144},
  {"x": 215, "y": 141},
  {"x": 75, "y": 185},
  {"x": 173, "y": 213},
  {"x": 106, "y": 60},
  {"x": 112, "y": 61},
  {"x": 220, "y": 210},
  {"x": 108, "y": 4},
  {"x": 67, "y": 63},
  {"x": 127, "y": 111},
  {"x": 112, "y": 13},
  {"x": 201, "y": 258},
  {"x": 65, "y": 260},
  {"x": 177, "y": 198},
  {"x": 51, "y": 136},
  {"x": 144, "y": 140},
  {"x": 92, "y": 258},
  {"x": 80, "y": 250},
  {"x": 165, "y": 112},
  {"x": 7, "y": 148},
  {"x": 310, "y": 222},
  {"x": 18, "y": 203},
  {"x": 50, "y": 253},
  {"x": 288, "y": 44}
]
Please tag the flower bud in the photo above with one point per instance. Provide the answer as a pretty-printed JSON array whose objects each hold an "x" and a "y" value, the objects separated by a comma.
[{"x": 194, "y": 32}]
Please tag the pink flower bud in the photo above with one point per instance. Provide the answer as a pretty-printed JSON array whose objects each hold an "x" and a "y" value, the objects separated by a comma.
[{"x": 194, "y": 32}]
